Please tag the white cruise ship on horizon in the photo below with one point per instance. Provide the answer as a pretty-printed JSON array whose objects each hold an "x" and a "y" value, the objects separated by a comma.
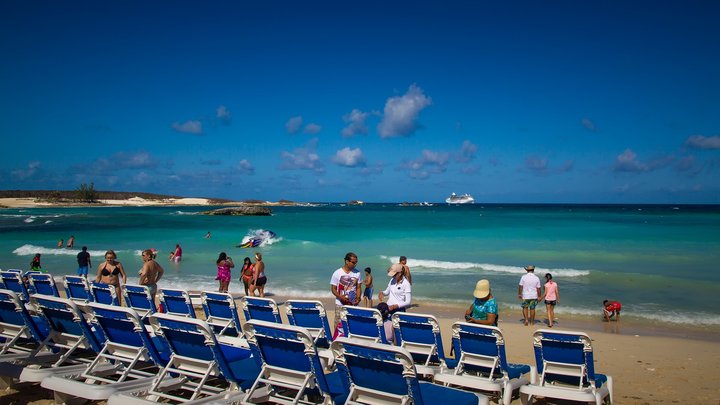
[{"x": 460, "y": 199}]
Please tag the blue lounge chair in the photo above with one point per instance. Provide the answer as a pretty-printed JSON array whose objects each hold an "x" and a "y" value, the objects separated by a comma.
[
  {"x": 44, "y": 283},
  {"x": 20, "y": 332},
  {"x": 312, "y": 316},
  {"x": 138, "y": 298},
  {"x": 207, "y": 370},
  {"x": 566, "y": 368},
  {"x": 363, "y": 323},
  {"x": 482, "y": 363},
  {"x": 13, "y": 281},
  {"x": 129, "y": 359},
  {"x": 69, "y": 335},
  {"x": 261, "y": 309},
  {"x": 290, "y": 366},
  {"x": 221, "y": 313},
  {"x": 420, "y": 335},
  {"x": 78, "y": 289},
  {"x": 176, "y": 302},
  {"x": 104, "y": 293},
  {"x": 380, "y": 373}
]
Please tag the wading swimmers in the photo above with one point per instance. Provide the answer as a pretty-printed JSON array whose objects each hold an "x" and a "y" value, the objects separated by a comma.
[{"x": 528, "y": 292}]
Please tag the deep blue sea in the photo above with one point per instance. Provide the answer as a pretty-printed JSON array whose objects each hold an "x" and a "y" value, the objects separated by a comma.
[{"x": 662, "y": 262}]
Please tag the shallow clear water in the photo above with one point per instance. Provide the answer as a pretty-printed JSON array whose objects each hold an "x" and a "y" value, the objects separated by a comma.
[{"x": 659, "y": 261}]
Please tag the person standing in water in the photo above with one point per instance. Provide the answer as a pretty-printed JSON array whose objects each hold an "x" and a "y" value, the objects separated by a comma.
[
  {"x": 259, "y": 277},
  {"x": 224, "y": 274},
  {"x": 35, "y": 263},
  {"x": 528, "y": 292},
  {"x": 552, "y": 298},
  {"x": 368, "y": 293},
  {"x": 247, "y": 274},
  {"x": 151, "y": 272}
]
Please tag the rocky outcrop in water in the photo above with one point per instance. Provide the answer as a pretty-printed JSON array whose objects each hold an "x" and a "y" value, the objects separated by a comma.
[{"x": 240, "y": 211}]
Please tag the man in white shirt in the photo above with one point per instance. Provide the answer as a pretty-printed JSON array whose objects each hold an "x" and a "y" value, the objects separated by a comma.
[
  {"x": 345, "y": 284},
  {"x": 398, "y": 291},
  {"x": 528, "y": 292}
]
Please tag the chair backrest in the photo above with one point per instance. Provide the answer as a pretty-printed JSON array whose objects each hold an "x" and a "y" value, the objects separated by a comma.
[
  {"x": 68, "y": 326},
  {"x": 312, "y": 316},
  {"x": 480, "y": 348},
  {"x": 194, "y": 340},
  {"x": 420, "y": 335},
  {"x": 14, "y": 281},
  {"x": 262, "y": 309},
  {"x": 288, "y": 350},
  {"x": 44, "y": 283},
  {"x": 176, "y": 302},
  {"x": 382, "y": 369},
  {"x": 77, "y": 289},
  {"x": 363, "y": 323},
  {"x": 124, "y": 326},
  {"x": 104, "y": 293},
  {"x": 138, "y": 297},
  {"x": 16, "y": 323},
  {"x": 221, "y": 312},
  {"x": 564, "y": 356}
]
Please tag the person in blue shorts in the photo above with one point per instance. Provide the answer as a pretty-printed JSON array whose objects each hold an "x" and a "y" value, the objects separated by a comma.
[{"x": 83, "y": 259}]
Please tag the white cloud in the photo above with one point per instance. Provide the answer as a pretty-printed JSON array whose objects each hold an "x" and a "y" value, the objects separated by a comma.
[
  {"x": 401, "y": 113},
  {"x": 703, "y": 142},
  {"x": 429, "y": 162},
  {"x": 246, "y": 167},
  {"x": 356, "y": 123},
  {"x": 627, "y": 162},
  {"x": 349, "y": 157},
  {"x": 304, "y": 158},
  {"x": 189, "y": 127},
  {"x": 294, "y": 124}
]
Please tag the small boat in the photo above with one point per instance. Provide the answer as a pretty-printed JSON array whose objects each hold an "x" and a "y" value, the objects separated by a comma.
[
  {"x": 460, "y": 199},
  {"x": 257, "y": 238}
]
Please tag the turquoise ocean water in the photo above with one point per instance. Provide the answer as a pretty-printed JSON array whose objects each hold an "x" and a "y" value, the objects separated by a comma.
[{"x": 661, "y": 262}]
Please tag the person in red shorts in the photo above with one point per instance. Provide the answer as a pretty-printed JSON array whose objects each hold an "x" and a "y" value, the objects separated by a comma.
[{"x": 612, "y": 308}]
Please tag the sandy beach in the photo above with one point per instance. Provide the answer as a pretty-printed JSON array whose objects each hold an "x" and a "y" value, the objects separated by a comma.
[{"x": 647, "y": 369}]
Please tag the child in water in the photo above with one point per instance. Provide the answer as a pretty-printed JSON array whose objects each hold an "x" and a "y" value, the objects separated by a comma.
[{"x": 367, "y": 294}]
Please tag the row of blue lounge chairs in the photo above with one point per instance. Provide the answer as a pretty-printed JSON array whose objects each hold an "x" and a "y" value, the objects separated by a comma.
[{"x": 81, "y": 348}]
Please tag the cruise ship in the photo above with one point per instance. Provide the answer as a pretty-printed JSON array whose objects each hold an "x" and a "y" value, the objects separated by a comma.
[{"x": 460, "y": 199}]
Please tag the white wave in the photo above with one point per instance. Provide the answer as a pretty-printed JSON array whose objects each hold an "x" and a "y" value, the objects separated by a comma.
[
  {"x": 267, "y": 237},
  {"x": 463, "y": 267},
  {"x": 185, "y": 213},
  {"x": 31, "y": 250},
  {"x": 29, "y": 219}
]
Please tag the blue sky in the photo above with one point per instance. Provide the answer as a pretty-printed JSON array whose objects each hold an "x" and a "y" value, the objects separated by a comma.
[{"x": 577, "y": 101}]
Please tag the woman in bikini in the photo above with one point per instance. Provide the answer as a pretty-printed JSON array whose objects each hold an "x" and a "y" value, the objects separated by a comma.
[
  {"x": 224, "y": 264},
  {"x": 246, "y": 274},
  {"x": 110, "y": 271}
]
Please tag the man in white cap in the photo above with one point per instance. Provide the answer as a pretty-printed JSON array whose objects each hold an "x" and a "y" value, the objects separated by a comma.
[
  {"x": 398, "y": 291},
  {"x": 528, "y": 292},
  {"x": 484, "y": 309}
]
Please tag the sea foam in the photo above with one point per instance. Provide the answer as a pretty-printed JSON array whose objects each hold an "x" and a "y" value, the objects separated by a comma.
[
  {"x": 470, "y": 267},
  {"x": 30, "y": 250}
]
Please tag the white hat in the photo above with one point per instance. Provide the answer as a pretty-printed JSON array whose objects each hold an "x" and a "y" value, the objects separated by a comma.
[
  {"x": 395, "y": 269},
  {"x": 482, "y": 289}
]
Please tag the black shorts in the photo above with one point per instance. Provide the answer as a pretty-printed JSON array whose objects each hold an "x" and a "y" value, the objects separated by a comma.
[
  {"x": 553, "y": 302},
  {"x": 261, "y": 281}
]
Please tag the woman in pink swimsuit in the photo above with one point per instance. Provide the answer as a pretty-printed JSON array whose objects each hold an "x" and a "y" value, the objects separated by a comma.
[
  {"x": 224, "y": 264},
  {"x": 552, "y": 298}
]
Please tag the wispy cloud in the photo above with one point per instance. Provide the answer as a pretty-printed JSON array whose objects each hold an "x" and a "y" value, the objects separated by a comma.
[
  {"x": 26, "y": 172},
  {"x": 468, "y": 150},
  {"x": 312, "y": 128},
  {"x": 356, "y": 123},
  {"x": 349, "y": 157},
  {"x": 541, "y": 166},
  {"x": 400, "y": 116},
  {"x": 222, "y": 114},
  {"x": 194, "y": 127},
  {"x": 294, "y": 124},
  {"x": 589, "y": 125},
  {"x": 703, "y": 142},
  {"x": 303, "y": 158},
  {"x": 430, "y": 162}
]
